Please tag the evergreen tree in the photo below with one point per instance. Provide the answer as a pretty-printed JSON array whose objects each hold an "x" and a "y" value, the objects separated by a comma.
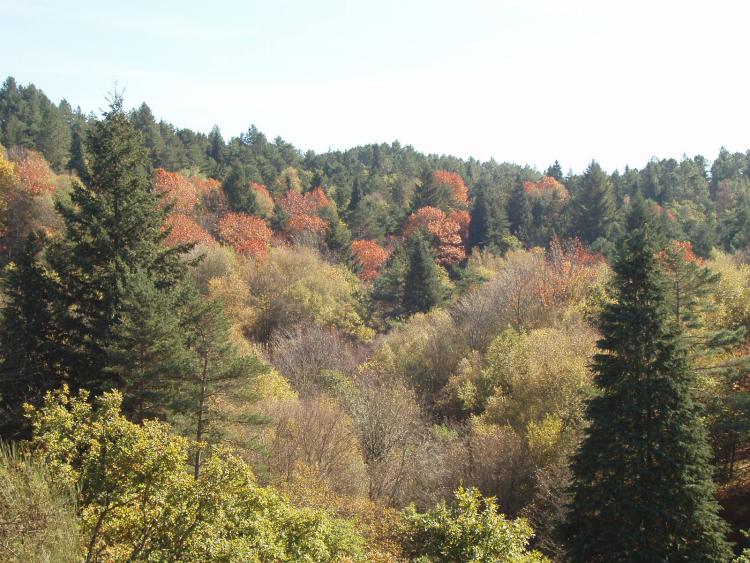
[
  {"x": 519, "y": 213},
  {"x": 240, "y": 196},
  {"x": 113, "y": 227},
  {"x": 30, "y": 360},
  {"x": 356, "y": 197},
  {"x": 593, "y": 205},
  {"x": 555, "y": 171},
  {"x": 148, "y": 352},
  {"x": 423, "y": 288},
  {"x": 388, "y": 288},
  {"x": 77, "y": 160},
  {"x": 430, "y": 193},
  {"x": 489, "y": 223},
  {"x": 642, "y": 486},
  {"x": 217, "y": 366}
]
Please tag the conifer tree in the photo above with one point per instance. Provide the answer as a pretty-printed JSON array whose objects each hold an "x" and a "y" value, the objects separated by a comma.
[
  {"x": 148, "y": 351},
  {"x": 430, "y": 193},
  {"x": 113, "y": 228},
  {"x": 240, "y": 196},
  {"x": 423, "y": 288},
  {"x": 593, "y": 205},
  {"x": 217, "y": 366},
  {"x": 643, "y": 487},
  {"x": 519, "y": 213},
  {"x": 30, "y": 364},
  {"x": 489, "y": 222}
]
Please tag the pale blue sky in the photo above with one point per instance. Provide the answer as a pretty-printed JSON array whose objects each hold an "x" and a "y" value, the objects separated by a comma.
[{"x": 521, "y": 81}]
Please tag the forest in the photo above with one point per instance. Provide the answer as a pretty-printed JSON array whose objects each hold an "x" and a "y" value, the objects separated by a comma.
[{"x": 232, "y": 350}]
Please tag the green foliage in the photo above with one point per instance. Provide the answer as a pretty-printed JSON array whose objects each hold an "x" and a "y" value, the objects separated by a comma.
[
  {"x": 593, "y": 205},
  {"x": 423, "y": 288},
  {"x": 489, "y": 223},
  {"x": 642, "y": 478},
  {"x": 471, "y": 531},
  {"x": 240, "y": 196},
  {"x": 139, "y": 501}
]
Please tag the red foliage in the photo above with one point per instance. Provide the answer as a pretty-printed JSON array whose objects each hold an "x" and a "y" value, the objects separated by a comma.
[
  {"x": 310, "y": 203},
  {"x": 547, "y": 185},
  {"x": 33, "y": 173},
  {"x": 463, "y": 218},
  {"x": 301, "y": 223},
  {"x": 184, "y": 230},
  {"x": 247, "y": 234},
  {"x": 447, "y": 229},
  {"x": 205, "y": 185},
  {"x": 679, "y": 250},
  {"x": 175, "y": 190},
  {"x": 370, "y": 256},
  {"x": 456, "y": 183}
]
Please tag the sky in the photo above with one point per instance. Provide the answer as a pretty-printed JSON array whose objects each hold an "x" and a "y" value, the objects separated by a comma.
[{"x": 529, "y": 81}]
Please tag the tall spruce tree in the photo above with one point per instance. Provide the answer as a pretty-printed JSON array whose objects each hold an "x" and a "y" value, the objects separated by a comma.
[
  {"x": 642, "y": 488},
  {"x": 240, "y": 196},
  {"x": 113, "y": 228},
  {"x": 593, "y": 205},
  {"x": 423, "y": 288},
  {"x": 30, "y": 363},
  {"x": 489, "y": 223}
]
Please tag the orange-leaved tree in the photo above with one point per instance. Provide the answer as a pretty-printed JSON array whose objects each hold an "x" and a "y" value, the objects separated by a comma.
[
  {"x": 246, "y": 234},
  {"x": 370, "y": 256},
  {"x": 184, "y": 230}
]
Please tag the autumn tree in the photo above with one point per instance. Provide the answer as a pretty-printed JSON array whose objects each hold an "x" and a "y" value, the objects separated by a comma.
[
  {"x": 246, "y": 234},
  {"x": 370, "y": 256}
]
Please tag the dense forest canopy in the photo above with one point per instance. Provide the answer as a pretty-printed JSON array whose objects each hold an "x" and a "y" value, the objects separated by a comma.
[{"x": 230, "y": 350}]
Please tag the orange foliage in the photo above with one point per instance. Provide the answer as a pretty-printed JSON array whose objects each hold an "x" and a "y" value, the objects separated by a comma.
[
  {"x": 301, "y": 223},
  {"x": 310, "y": 203},
  {"x": 456, "y": 183},
  {"x": 184, "y": 230},
  {"x": 463, "y": 218},
  {"x": 370, "y": 256},
  {"x": 263, "y": 199},
  {"x": 175, "y": 190},
  {"x": 547, "y": 185},
  {"x": 447, "y": 229},
  {"x": 247, "y": 234},
  {"x": 569, "y": 271},
  {"x": 33, "y": 173},
  {"x": 679, "y": 250},
  {"x": 205, "y": 185}
]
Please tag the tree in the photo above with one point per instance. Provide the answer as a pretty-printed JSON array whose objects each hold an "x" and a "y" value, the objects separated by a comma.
[
  {"x": 113, "y": 227},
  {"x": 216, "y": 364},
  {"x": 489, "y": 222},
  {"x": 472, "y": 531},
  {"x": 240, "y": 196},
  {"x": 30, "y": 366},
  {"x": 642, "y": 485},
  {"x": 148, "y": 352},
  {"x": 247, "y": 234},
  {"x": 423, "y": 288},
  {"x": 593, "y": 205}
]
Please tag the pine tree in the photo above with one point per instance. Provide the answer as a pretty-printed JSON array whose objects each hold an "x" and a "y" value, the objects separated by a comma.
[
  {"x": 643, "y": 487},
  {"x": 555, "y": 171},
  {"x": 423, "y": 288},
  {"x": 30, "y": 360},
  {"x": 148, "y": 352},
  {"x": 113, "y": 227},
  {"x": 519, "y": 213},
  {"x": 430, "y": 193},
  {"x": 217, "y": 366},
  {"x": 489, "y": 223},
  {"x": 240, "y": 196},
  {"x": 593, "y": 206}
]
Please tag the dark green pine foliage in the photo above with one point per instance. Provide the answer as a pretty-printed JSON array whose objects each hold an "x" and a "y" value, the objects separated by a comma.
[
  {"x": 430, "y": 193},
  {"x": 148, "y": 352},
  {"x": 113, "y": 228},
  {"x": 240, "y": 196},
  {"x": 423, "y": 288},
  {"x": 593, "y": 205},
  {"x": 30, "y": 364},
  {"x": 338, "y": 237},
  {"x": 555, "y": 171},
  {"x": 77, "y": 160},
  {"x": 388, "y": 288},
  {"x": 217, "y": 366},
  {"x": 489, "y": 222},
  {"x": 642, "y": 488},
  {"x": 519, "y": 213}
]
